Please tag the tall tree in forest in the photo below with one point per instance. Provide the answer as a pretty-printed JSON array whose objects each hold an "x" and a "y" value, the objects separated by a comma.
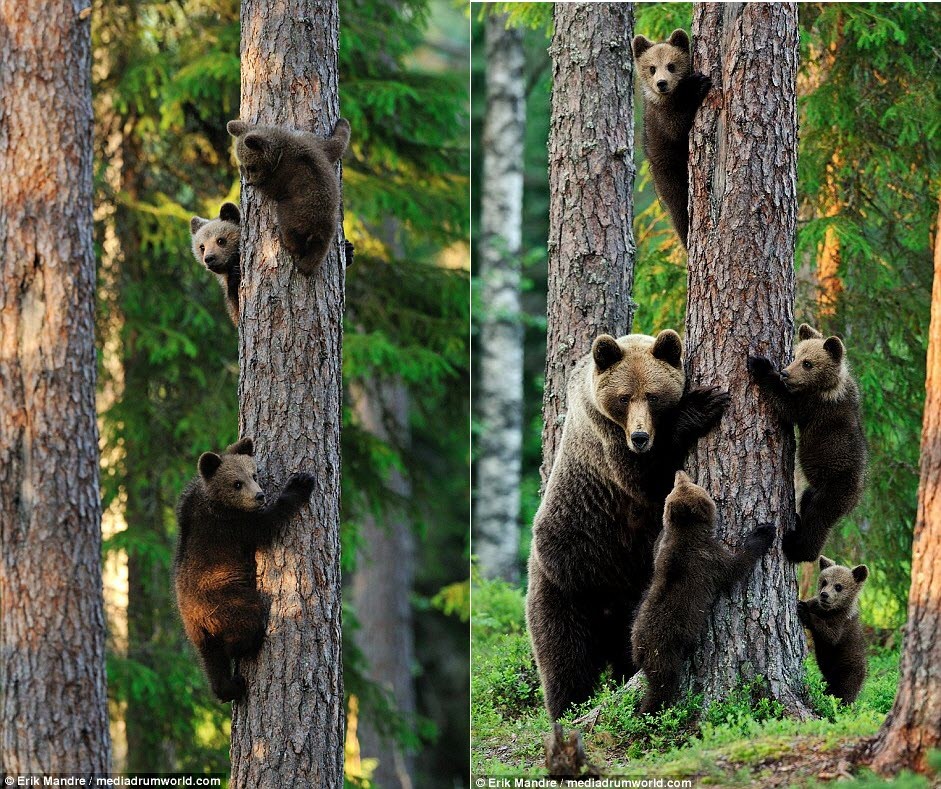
[
  {"x": 500, "y": 380},
  {"x": 591, "y": 183},
  {"x": 53, "y": 706},
  {"x": 289, "y": 729},
  {"x": 913, "y": 727},
  {"x": 740, "y": 299}
]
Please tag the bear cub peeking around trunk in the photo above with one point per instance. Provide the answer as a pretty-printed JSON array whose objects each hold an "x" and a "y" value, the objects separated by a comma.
[{"x": 223, "y": 517}]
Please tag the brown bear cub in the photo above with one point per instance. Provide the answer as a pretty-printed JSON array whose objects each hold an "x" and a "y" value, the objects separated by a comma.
[
  {"x": 817, "y": 393},
  {"x": 832, "y": 617},
  {"x": 216, "y": 246},
  {"x": 629, "y": 425},
  {"x": 672, "y": 94},
  {"x": 223, "y": 517},
  {"x": 691, "y": 569},
  {"x": 297, "y": 170}
]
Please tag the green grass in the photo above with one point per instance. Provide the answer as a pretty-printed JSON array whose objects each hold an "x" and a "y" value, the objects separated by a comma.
[{"x": 731, "y": 743}]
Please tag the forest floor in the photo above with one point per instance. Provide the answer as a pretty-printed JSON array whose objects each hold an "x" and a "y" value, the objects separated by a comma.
[{"x": 744, "y": 741}]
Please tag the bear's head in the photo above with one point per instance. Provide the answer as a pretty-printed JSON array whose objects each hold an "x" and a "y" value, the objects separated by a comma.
[
  {"x": 216, "y": 241},
  {"x": 635, "y": 380},
  {"x": 819, "y": 365},
  {"x": 661, "y": 66},
  {"x": 230, "y": 478},
  {"x": 838, "y": 586},
  {"x": 259, "y": 150},
  {"x": 688, "y": 507}
]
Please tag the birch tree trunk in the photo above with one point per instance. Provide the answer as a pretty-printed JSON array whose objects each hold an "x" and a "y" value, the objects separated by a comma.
[
  {"x": 913, "y": 727},
  {"x": 289, "y": 729},
  {"x": 500, "y": 392},
  {"x": 591, "y": 183},
  {"x": 743, "y": 198},
  {"x": 382, "y": 591},
  {"x": 53, "y": 703}
]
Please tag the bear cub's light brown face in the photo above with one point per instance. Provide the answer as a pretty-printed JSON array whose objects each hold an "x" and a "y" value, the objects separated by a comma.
[
  {"x": 838, "y": 586},
  {"x": 216, "y": 241},
  {"x": 231, "y": 479},
  {"x": 662, "y": 66},
  {"x": 635, "y": 379},
  {"x": 819, "y": 364}
]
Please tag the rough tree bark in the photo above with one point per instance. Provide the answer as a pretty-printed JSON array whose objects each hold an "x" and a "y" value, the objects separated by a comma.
[
  {"x": 743, "y": 197},
  {"x": 53, "y": 704},
  {"x": 500, "y": 392},
  {"x": 913, "y": 727},
  {"x": 289, "y": 729},
  {"x": 591, "y": 184},
  {"x": 382, "y": 589}
]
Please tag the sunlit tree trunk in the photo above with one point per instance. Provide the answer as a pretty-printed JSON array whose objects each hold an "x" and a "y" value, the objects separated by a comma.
[
  {"x": 913, "y": 727},
  {"x": 289, "y": 729},
  {"x": 53, "y": 705},
  {"x": 591, "y": 183},
  {"x": 382, "y": 589},
  {"x": 743, "y": 197},
  {"x": 500, "y": 380}
]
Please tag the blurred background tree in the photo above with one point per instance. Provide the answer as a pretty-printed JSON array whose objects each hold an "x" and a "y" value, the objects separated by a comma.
[{"x": 166, "y": 77}]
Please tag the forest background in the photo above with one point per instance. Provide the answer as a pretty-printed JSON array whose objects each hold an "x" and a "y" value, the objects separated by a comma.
[
  {"x": 869, "y": 103},
  {"x": 166, "y": 80}
]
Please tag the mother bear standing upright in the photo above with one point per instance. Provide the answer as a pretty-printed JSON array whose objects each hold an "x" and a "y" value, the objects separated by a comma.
[{"x": 628, "y": 429}]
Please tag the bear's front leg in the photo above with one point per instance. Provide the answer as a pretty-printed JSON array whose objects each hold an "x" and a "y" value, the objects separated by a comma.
[
  {"x": 772, "y": 386},
  {"x": 698, "y": 412}
]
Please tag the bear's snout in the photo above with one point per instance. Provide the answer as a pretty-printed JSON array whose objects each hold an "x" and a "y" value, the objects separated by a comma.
[
  {"x": 662, "y": 85},
  {"x": 640, "y": 439},
  {"x": 260, "y": 497}
]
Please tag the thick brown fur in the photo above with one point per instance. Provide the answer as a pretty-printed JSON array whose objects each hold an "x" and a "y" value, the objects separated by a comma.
[
  {"x": 672, "y": 95},
  {"x": 832, "y": 617},
  {"x": 629, "y": 426},
  {"x": 216, "y": 246},
  {"x": 691, "y": 569},
  {"x": 297, "y": 170},
  {"x": 817, "y": 393},
  {"x": 223, "y": 518}
]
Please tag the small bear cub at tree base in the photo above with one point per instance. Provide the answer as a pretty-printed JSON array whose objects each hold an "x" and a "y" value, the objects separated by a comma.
[
  {"x": 297, "y": 170},
  {"x": 691, "y": 569},
  {"x": 832, "y": 617},
  {"x": 223, "y": 517},
  {"x": 817, "y": 393},
  {"x": 672, "y": 94},
  {"x": 216, "y": 246}
]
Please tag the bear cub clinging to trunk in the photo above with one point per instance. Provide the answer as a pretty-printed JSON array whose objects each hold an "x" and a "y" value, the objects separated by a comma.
[
  {"x": 832, "y": 617},
  {"x": 223, "y": 517},
  {"x": 297, "y": 170},
  {"x": 672, "y": 94},
  {"x": 817, "y": 393},
  {"x": 216, "y": 246},
  {"x": 691, "y": 569}
]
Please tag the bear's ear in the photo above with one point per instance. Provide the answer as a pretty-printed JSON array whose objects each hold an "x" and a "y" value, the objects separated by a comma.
[
  {"x": 236, "y": 128},
  {"x": 255, "y": 141},
  {"x": 808, "y": 332},
  {"x": 668, "y": 348},
  {"x": 606, "y": 352},
  {"x": 196, "y": 224},
  {"x": 834, "y": 347},
  {"x": 230, "y": 213},
  {"x": 209, "y": 463},
  {"x": 640, "y": 45},
  {"x": 679, "y": 39},
  {"x": 681, "y": 478},
  {"x": 860, "y": 573},
  {"x": 824, "y": 562},
  {"x": 244, "y": 446}
]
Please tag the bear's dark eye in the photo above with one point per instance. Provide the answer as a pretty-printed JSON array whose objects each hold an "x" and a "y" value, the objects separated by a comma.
[
  {"x": 807, "y": 365},
  {"x": 839, "y": 587},
  {"x": 255, "y": 477},
  {"x": 624, "y": 399},
  {"x": 202, "y": 248},
  {"x": 671, "y": 68},
  {"x": 221, "y": 242},
  {"x": 823, "y": 584},
  {"x": 653, "y": 69},
  {"x": 652, "y": 398},
  {"x": 237, "y": 485}
]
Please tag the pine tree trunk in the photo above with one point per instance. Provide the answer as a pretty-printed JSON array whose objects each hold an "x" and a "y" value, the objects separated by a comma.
[
  {"x": 591, "y": 182},
  {"x": 53, "y": 704},
  {"x": 500, "y": 392},
  {"x": 289, "y": 729},
  {"x": 382, "y": 591},
  {"x": 913, "y": 727},
  {"x": 743, "y": 196}
]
